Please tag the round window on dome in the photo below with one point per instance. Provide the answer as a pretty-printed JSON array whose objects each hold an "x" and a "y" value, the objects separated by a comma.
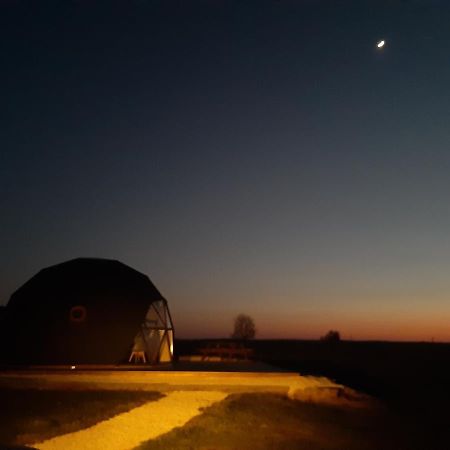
[{"x": 78, "y": 313}]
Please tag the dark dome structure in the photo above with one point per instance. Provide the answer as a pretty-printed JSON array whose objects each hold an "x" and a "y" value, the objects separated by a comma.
[{"x": 87, "y": 311}]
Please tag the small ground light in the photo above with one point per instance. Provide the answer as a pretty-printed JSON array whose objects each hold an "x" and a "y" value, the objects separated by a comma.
[{"x": 72, "y": 367}]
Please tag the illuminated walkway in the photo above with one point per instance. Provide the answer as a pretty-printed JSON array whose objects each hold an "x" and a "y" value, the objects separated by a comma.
[{"x": 128, "y": 430}]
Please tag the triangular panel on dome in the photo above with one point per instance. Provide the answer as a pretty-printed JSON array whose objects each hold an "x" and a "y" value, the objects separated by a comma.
[{"x": 154, "y": 341}]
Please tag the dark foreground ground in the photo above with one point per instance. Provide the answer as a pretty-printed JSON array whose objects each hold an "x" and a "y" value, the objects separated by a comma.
[
  {"x": 34, "y": 414},
  {"x": 244, "y": 421},
  {"x": 258, "y": 421},
  {"x": 411, "y": 379}
]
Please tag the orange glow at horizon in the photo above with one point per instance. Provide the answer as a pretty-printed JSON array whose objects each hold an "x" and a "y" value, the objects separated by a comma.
[{"x": 384, "y": 325}]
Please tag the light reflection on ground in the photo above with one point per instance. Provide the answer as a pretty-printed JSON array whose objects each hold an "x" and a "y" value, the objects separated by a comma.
[{"x": 128, "y": 430}]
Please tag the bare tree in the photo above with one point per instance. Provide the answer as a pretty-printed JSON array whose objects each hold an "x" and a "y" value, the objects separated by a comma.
[{"x": 244, "y": 327}]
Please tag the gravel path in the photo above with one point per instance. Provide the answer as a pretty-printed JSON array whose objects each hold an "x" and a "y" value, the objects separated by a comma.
[{"x": 128, "y": 430}]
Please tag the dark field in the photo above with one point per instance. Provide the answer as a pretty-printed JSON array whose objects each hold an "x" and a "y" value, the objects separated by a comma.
[
  {"x": 31, "y": 415},
  {"x": 412, "y": 380},
  {"x": 257, "y": 421}
]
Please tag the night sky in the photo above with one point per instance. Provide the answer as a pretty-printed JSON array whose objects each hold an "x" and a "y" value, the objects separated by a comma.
[{"x": 259, "y": 157}]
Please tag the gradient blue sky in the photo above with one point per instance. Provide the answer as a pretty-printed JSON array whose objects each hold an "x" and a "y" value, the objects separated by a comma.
[{"x": 259, "y": 157}]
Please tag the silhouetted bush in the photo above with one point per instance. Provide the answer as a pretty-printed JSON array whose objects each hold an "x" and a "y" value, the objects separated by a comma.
[{"x": 331, "y": 336}]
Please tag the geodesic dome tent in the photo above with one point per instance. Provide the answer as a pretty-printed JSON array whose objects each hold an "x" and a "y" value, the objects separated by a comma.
[{"x": 87, "y": 311}]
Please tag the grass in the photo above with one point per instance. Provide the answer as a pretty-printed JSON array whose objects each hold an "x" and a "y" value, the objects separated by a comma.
[
  {"x": 270, "y": 421},
  {"x": 32, "y": 415}
]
